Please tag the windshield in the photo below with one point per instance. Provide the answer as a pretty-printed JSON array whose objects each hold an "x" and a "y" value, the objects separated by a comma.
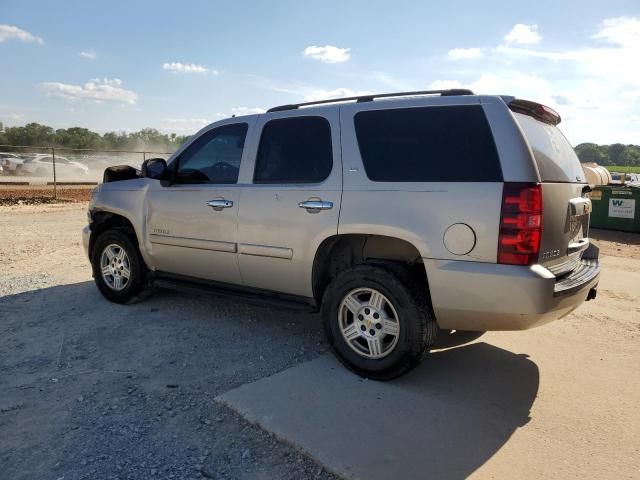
[{"x": 554, "y": 155}]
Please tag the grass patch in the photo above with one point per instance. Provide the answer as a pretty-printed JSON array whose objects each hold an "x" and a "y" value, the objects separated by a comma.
[{"x": 620, "y": 169}]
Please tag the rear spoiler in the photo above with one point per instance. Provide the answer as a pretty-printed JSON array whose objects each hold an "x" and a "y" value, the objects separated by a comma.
[{"x": 536, "y": 110}]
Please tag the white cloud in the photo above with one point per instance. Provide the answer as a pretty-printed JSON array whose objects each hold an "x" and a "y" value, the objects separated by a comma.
[
  {"x": 505, "y": 81},
  {"x": 114, "y": 82},
  {"x": 523, "y": 35},
  {"x": 177, "y": 67},
  {"x": 610, "y": 63},
  {"x": 192, "y": 125},
  {"x": 12, "y": 118},
  {"x": 88, "y": 54},
  {"x": 528, "y": 52},
  {"x": 95, "y": 90},
  {"x": 11, "y": 32},
  {"x": 515, "y": 83},
  {"x": 445, "y": 84},
  {"x": 183, "y": 125},
  {"x": 594, "y": 86},
  {"x": 328, "y": 53},
  {"x": 386, "y": 81},
  {"x": 314, "y": 95},
  {"x": 239, "y": 111},
  {"x": 18, "y": 117},
  {"x": 465, "y": 53},
  {"x": 303, "y": 92},
  {"x": 622, "y": 31}
]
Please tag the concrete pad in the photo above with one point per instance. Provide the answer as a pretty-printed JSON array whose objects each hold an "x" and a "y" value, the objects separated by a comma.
[{"x": 443, "y": 420}]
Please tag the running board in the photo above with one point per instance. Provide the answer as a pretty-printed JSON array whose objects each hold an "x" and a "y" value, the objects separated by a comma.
[{"x": 253, "y": 296}]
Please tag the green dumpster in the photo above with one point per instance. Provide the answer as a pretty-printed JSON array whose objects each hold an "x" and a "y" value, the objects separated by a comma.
[{"x": 616, "y": 208}]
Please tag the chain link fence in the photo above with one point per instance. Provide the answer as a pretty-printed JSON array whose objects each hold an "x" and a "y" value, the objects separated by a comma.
[{"x": 51, "y": 168}]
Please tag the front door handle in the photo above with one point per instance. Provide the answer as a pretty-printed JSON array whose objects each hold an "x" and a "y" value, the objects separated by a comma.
[
  {"x": 315, "y": 205},
  {"x": 220, "y": 203}
]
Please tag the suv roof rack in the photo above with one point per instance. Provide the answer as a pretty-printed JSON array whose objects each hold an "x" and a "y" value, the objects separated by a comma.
[{"x": 370, "y": 98}]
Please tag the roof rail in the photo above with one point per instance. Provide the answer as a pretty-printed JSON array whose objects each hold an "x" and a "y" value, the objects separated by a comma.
[{"x": 370, "y": 98}]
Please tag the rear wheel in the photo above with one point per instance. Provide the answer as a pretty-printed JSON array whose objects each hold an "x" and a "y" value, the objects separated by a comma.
[
  {"x": 118, "y": 269},
  {"x": 378, "y": 320}
]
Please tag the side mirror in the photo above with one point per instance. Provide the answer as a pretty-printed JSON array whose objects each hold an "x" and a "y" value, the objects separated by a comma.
[{"x": 155, "y": 168}]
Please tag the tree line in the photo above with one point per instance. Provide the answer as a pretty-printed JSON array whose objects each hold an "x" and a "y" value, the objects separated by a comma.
[
  {"x": 615, "y": 154},
  {"x": 37, "y": 135}
]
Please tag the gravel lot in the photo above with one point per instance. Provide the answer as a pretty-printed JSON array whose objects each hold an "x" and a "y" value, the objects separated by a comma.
[{"x": 94, "y": 390}]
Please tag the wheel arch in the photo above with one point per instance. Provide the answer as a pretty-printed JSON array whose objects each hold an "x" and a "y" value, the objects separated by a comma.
[
  {"x": 101, "y": 221},
  {"x": 340, "y": 252}
]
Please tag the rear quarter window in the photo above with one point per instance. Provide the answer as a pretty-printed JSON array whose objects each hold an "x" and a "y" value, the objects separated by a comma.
[
  {"x": 427, "y": 144},
  {"x": 555, "y": 157}
]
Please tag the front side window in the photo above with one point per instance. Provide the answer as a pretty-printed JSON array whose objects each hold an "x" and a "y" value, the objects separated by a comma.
[
  {"x": 294, "y": 150},
  {"x": 214, "y": 157},
  {"x": 428, "y": 144}
]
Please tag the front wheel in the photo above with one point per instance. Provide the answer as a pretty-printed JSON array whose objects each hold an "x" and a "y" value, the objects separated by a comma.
[
  {"x": 118, "y": 269},
  {"x": 378, "y": 320}
]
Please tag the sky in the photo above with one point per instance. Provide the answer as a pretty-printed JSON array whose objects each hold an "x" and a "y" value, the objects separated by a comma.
[{"x": 177, "y": 66}]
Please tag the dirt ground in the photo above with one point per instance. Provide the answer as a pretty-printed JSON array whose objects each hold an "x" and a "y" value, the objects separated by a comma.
[
  {"x": 41, "y": 194},
  {"x": 94, "y": 390}
]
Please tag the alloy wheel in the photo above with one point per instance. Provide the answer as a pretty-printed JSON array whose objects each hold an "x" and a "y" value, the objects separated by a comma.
[
  {"x": 369, "y": 323},
  {"x": 115, "y": 267}
]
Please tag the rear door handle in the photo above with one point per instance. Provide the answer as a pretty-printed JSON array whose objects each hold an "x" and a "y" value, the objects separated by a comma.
[
  {"x": 220, "y": 203},
  {"x": 316, "y": 205}
]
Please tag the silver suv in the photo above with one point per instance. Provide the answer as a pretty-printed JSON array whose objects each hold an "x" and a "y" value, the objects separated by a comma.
[{"x": 398, "y": 216}]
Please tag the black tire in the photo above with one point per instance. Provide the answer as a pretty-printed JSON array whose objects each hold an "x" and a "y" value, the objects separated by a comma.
[
  {"x": 137, "y": 286},
  {"x": 418, "y": 328}
]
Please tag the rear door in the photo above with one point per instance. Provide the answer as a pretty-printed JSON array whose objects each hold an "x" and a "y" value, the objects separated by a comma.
[
  {"x": 566, "y": 207},
  {"x": 292, "y": 202}
]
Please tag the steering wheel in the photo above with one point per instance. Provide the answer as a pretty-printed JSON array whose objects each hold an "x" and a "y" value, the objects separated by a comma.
[
  {"x": 223, "y": 172},
  {"x": 222, "y": 167},
  {"x": 192, "y": 175}
]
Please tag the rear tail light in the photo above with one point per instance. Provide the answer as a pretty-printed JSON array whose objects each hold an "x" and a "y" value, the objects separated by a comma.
[{"x": 520, "y": 224}]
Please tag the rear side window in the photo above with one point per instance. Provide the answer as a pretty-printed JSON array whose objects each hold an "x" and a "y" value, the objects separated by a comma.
[
  {"x": 428, "y": 144},
  {"x": 294, "y": 150},
  {"x": 554, "y": 155}
]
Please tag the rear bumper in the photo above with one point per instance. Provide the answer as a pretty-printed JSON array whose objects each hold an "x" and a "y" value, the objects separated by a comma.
[{"x": 484, "y": 296}]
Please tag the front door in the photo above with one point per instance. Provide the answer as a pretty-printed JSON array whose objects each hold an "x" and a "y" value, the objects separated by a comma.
[
  {"x": 192, "y": 221},
  {"x": 293, "y": 201}
]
